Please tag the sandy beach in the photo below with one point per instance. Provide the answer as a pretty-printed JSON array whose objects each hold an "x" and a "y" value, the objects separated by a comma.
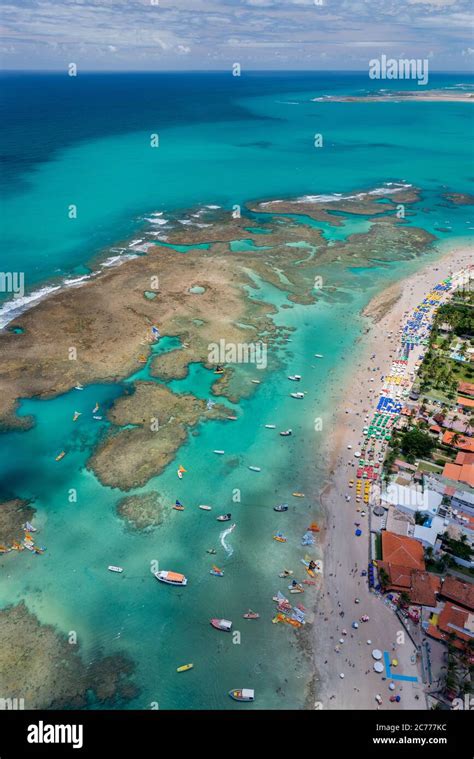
[{"x": 344, "y": 553}]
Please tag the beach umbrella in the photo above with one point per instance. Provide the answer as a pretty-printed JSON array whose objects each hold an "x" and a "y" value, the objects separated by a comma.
[
  {"x": 358, "y": 533},
  {"x": 342, "y": 675},
  {"x": 376, "y": 654},
  {"x": 392, "y": 686},
  {"x": 378, "y": 667}
]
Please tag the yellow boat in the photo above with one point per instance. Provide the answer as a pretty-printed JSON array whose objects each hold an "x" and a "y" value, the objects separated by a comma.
[
  {"x": 185, "y": 667},
  {"x": 298, "y": 495},
  {"x": 60, "y": 456}
]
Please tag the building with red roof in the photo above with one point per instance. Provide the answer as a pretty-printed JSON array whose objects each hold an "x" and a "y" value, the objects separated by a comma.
[
  {"x": 459, "y": 591},
  {"x": 453, "y": 624},
  {"x": 402, "y": 551},
  {"x": 463, "y": 443}
]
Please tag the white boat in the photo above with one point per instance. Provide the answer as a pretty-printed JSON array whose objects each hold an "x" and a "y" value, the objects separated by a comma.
[
  {"x": 270, "y": 426},
  {"x": 220, "y": 453},
  {"x": 98, "y": 418},
  {"x": 204, "y": 507},
  {"x": 286, "y": 433},
  {"x": 297, "y": 395},
  {"x": 255, "y": 382},
  {"x": 29, "y": 527},
  {"x": 78, "y": 387},
  {"x": 318, "y": 355},
  {"x": 295, "y": 377},
  {"x": 171, "y": 578},
  {"x": 255, "y": 468},
  {"x": 242, "y": 694},
  {"x": 111, "y": 568},
  {"x": 222, "y": 624},
  {"x": 95, "y": 409}
]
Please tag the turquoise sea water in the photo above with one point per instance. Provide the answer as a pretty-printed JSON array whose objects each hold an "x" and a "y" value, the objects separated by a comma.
[{"x": 222, "y": 142}]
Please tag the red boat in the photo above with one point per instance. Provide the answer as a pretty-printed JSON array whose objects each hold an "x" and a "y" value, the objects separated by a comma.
[{"x": 251, "y": 615}]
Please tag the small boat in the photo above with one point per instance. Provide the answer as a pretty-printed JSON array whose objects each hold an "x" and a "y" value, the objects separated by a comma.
[
  {"x": 219, "y": 370},
  {"x": 286, "y": 573},
  {"x": 29, "y": 527},
  {"x": 204, "y": 507},
  {"x": 281, "y": 507},
  {"x": 212, "y": 551},
  {"x": 171, "y": 578},
  {"x": 111, "y": 568},
  {"x": 255, "y": 382},
  {"x": 60, "y": 456},
  {"x": 98, "y": 418},
  {"x": 251, "y": 615},
  {"x": 270, "y": 426},
  {"x": 76, "y": 415},
  {"x": 216, "y": 571},
  {"x": 298, "y": 495},
  {"x": 318, "y": 355},
  {"x": 232, "y": 418},
  {"x": 185, "y": 667},
  {"x": 297, "y": 395},
  {"x": 242, "y": 694},
  {"x": 95, "y": 409},
  {"x": 295, "y": 377},
  {"x": 224, "y": 517},
  {"x": 255, "y": 468},
  {"x": 221, "y": 624},
  {"x": 286, "y": 433},
  {"x": 280, "y": 538},
  {"x": 78, "y": 387},
  {"x": 178, "y": 506},
  {"x": 220, "y": 453},
  {"x": 180, "y": 471}
]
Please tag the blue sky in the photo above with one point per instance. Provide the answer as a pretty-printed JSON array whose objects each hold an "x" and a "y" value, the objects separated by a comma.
[{"x": 214, "y": 34}]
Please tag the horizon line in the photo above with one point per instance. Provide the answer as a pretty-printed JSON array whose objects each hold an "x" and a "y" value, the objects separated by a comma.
[{"x": 468, "y": 72}]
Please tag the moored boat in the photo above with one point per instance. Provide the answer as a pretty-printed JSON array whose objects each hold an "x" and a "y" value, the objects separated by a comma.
[
  {"x": 255, "y": 468},
  {"x": 204, "y": 507},
  {"x": 220, "y": 453},
  {"x": 294, "y": 377},
  {"x": 216, "y": 572},
  {"x": 281, "y": 507},
  {"x": 270, "y": 426},
  {"x": 280, "y": 538},
  {"x": 286, "y": 433},
  {"x": 76, "y": 416},
  {"x": 251, "y": 615},
  {"x": 298, "y": 495},
  {"x": 221, "y": 624},
  {"x": 178, "y": 506},
  {"x": 111, "y": 568},
  {"x": 171, "y": 578},
  {"x": 185, "y": 667},
  {"x": 297, "y": 395},
  {"x": 224, "y": 517},
  {"x": 318, "y": 355},
  {"x": 60, "y": 456},
  {"x": 242, "y": 694}
]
